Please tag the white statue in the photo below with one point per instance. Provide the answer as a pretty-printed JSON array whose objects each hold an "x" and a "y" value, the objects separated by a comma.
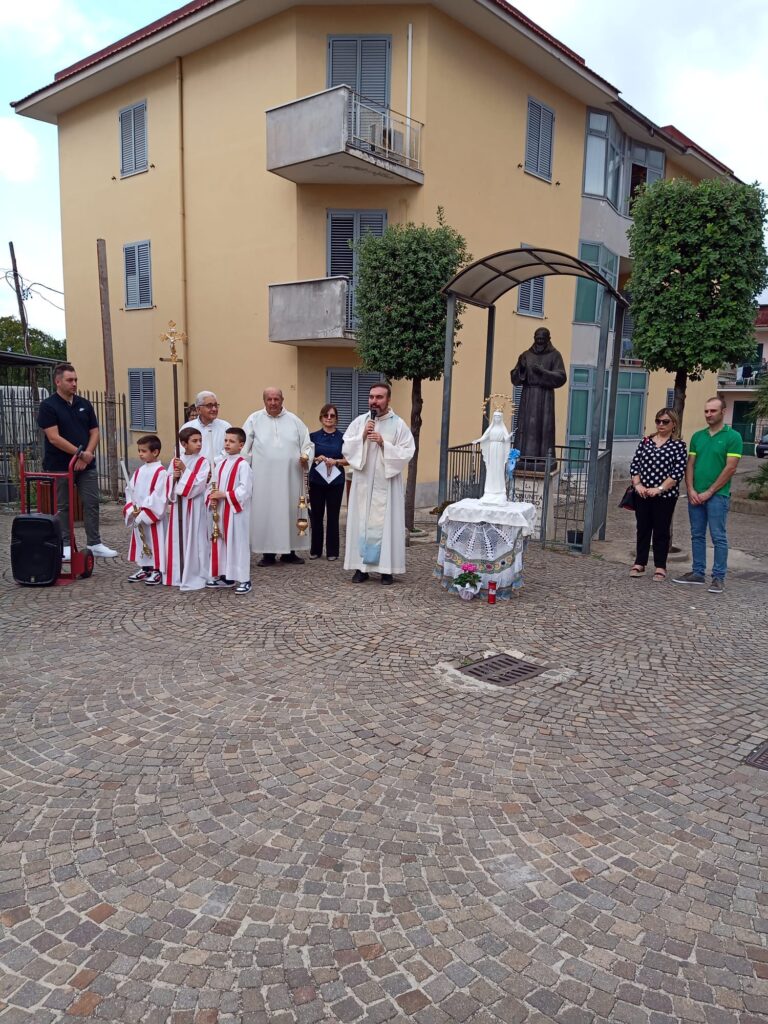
[{"x": 494, "y": 445}]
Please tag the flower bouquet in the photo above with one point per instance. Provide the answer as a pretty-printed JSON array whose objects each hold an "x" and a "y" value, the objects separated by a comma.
[{"x": 468, "y": 582}]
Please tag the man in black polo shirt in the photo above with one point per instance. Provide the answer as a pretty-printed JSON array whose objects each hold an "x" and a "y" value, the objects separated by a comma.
[{"x": 69, "y": 423}]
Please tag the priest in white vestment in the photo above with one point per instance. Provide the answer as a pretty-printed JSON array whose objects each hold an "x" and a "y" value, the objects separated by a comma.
[
  {"x": 378, "y": 446},
  {"x": 279, "y": 448}
]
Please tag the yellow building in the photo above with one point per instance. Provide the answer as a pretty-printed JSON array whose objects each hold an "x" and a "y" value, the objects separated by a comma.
[{"x": 228, "y": 152}]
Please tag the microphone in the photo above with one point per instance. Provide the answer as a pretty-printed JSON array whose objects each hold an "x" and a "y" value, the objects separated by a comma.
[{"x": 373, "y": 413}]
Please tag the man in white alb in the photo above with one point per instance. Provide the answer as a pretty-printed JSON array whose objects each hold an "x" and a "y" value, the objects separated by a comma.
[
  {"x": 378, "y": 446},
  {"x": 278, "y": 445},
  {"x": 210, "y": 426}
]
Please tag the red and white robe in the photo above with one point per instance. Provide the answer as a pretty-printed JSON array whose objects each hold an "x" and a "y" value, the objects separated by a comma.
[
  {"x": 147, "y": 490},
  {"x": 189, "y": 492},
  {"x": 231, "y": 553}
]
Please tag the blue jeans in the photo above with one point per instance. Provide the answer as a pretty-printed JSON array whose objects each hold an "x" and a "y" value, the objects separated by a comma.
[{"x": 712, "y": 513}]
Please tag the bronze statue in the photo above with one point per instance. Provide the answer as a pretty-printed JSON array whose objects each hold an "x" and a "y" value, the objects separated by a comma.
[{"x": 538, "y": 371}]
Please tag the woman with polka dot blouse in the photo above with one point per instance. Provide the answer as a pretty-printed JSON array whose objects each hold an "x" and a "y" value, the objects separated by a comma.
[{"x": 657, "y": 469}]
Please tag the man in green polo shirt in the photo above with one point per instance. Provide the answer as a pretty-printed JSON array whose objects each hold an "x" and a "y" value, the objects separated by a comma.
[{"x": 713, "y": 456}]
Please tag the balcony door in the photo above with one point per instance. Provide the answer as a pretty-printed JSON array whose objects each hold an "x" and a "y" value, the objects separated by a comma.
[
  {"x": 345, "y": 228},
  {"x": 363, "y": 63}
]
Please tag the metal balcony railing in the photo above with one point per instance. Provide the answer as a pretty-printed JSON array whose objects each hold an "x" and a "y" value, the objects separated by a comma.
[{"x": 383, "y": 132}]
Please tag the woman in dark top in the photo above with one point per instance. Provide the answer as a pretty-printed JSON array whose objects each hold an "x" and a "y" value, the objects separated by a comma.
[
  {"x": 326, "y": 484},
  {"x": 657, "y": 469}
]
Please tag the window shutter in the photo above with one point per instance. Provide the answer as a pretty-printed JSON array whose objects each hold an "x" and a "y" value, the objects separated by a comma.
[
  {"x": 517, "y": 394},
  {"x": 670, "y": 398},
  {"x": 538, "y": 139},
  {"x": 372, "y": 222},
  {"x": 149, "y": 407},
  {"x": 131, "y": 277},
  {"x": 340, "y": 384},
  {"x": 127, "y": 162},
  {"x": 374, "y": 65},
  {"x": 145, "y": 274},
  {"x": 134, "y": 397},
  {"x": 343, "y": 63},
  {"x": 341, "y": 232},
  {"x": 140, "y": 137}
]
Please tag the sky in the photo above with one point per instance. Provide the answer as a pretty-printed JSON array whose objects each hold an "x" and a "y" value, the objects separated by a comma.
[{"x": 697, "y": 64}]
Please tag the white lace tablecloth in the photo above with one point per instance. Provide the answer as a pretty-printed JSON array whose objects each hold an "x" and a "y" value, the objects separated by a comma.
[{"x": 491, "y": 536}]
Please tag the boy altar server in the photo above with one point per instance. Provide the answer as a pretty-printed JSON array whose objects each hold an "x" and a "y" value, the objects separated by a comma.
[
  {"x": 231, "y": 498},
  {"x": 145, "y": 513},
  {"x": 187, "y": 482}
]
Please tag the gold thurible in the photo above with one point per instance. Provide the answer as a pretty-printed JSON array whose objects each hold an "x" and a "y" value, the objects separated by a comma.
[{"x": 302, "y": 518}]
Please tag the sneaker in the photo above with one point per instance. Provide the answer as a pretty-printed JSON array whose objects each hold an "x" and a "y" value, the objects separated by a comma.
[
  {"x": 243, "y": 588},
  {"x": 292, "y": 558},
  {"x": 360, "y": 577},
  {"x": 387, "y": 579},
  {"x": 690, "y": 577},
  {"x": 139, "y": 576},
  {"x": 716, "y": 586},
  {"x": 313, "y": 557},
  {"x": 227, "y": 583},
  {"x": 217, "y": 581},
  {"x": 102, "y": 551},
  {"x": 332, "y": 558},
  {"x": 154, "y": 578}
]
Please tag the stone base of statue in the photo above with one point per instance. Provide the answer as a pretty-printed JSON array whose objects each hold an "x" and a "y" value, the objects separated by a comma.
[
  {"x": 535, "y": 487},
  {"x": 491, "y": 535}
]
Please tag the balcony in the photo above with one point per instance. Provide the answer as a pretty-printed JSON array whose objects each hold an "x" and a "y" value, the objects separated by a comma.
[
  {"x": 317, "y": 314},
  {"x": 336, "y": 137}
]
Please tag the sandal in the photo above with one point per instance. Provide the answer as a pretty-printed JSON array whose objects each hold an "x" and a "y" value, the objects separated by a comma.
[
  {"x": 636, "y": 570},
  {"x": 659, "y": 575}
]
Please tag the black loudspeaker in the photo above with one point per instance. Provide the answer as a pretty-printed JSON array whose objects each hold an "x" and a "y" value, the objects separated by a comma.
[{"x": 36, "y": 550}]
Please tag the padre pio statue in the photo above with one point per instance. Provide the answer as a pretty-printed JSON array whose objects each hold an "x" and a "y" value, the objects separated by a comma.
[{"x": 538, "y": 371}]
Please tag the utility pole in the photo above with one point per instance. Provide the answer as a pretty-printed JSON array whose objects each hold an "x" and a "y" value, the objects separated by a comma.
[
  {"x": 110, "y": 404},
  {"x": 32, "y": 371}
]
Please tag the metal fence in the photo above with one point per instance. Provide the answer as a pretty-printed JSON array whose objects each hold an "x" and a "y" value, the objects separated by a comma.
[
  {"x": 383, "y": 132},
  {"x": 557, "y": 487},
  {"x": 19, "y": 433}
]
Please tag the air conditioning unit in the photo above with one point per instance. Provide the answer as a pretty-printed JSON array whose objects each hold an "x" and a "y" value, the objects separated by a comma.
[{"x": 388, "y": 141}]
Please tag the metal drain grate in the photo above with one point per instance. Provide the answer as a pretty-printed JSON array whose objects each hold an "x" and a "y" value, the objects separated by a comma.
[
  {"x": 759, "y": 757},
  {"x": 503, "y": 670}
]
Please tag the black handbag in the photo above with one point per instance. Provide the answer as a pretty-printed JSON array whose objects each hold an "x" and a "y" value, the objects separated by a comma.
[{"x": 629, "y": 499}]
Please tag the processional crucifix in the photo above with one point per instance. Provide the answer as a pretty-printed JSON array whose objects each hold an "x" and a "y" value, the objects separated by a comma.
[{"x": 172, "y": 336}]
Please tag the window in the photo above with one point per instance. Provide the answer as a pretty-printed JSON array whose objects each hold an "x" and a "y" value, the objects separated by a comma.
[
  {"x": 538, "y": 139},
  {"x": 627, "y": 330},
  {"x": 138, "y": 275},
  {"x": 362, "y": 63},
  {"x": 670, "y": 403},
  {"x": 630, "y": 404},
  {"x": 610, "y": 158},
  {"x": 580, "y": 399},
  {"x": 645, "y": 165},
  {"x": 589, "y": 295},
  {"x": 530, "y": 295},
  {"x": 348, "y": 390},
  {"x": 345, "y": 227},
  {"x": 141, "y": 395},
  {"x": 133, "y": 139}
]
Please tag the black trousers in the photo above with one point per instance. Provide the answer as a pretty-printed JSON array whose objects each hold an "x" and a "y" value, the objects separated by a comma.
[
  {"x": 325, "y": 504},
  {"x": 654, "y": 522}
]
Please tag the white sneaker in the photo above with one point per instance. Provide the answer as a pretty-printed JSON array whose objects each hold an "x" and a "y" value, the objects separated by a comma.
[{"x": 102, "y": 551}]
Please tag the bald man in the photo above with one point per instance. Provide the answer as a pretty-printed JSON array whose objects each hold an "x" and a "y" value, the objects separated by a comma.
[{"x": 278, "y": 445}]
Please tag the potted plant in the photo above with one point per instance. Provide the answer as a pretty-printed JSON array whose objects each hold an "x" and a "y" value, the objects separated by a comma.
[{"x": 468, "y": 582}]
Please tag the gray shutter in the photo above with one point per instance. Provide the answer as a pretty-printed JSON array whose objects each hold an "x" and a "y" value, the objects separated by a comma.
[
  {"x": 365, "y": 381},
  {"x": 531, "y": 297},
  {"x": 140, "y": 137},
  {"x": 131, "y": 277},
  {"x": 374, "y": 71},
  {"x": 340, "y": 384},
  {"x": 145, "y": 273},
  {"x": 341, "y": 232},
  {"x": 372, "y": 222},
  {"x": 517, "y": 394},
  {"x": 148, "y": 402},
  {"x": 538, "y": 139},
  {"x": 343, "y": 62},
  {"x": 670, "y": 398},
  {"x": 134, "y": 399},
  {"x": 127, "y": 162}
]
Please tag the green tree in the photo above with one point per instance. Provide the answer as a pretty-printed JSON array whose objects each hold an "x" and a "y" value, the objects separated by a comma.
[
  {"x": 402, "y": 313},
  {"x": 40, "y": 343},
  {"x": 759, "y": 481},
  {"x": 699, "y": 261}
]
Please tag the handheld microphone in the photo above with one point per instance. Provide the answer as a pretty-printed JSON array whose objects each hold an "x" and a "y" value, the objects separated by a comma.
[{"x": 373, "y": 413}]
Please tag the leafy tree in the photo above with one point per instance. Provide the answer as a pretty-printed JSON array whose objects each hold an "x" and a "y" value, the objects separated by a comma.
[
  {"x": 759, "y": 481},
  {"x": 699, "y": 261},
  {"x": 402, "y": 314},
  {"x": 40, "y": 344}
]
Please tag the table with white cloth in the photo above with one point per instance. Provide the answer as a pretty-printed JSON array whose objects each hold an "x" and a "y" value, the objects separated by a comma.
[{"x": 491, "y": 536}]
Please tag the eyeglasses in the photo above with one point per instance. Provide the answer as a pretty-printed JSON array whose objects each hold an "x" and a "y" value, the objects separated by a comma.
[
  {"x": 662, "y": 423},
  {"x": 210, "y": 405},
  {"x": 330, "y": 416}
]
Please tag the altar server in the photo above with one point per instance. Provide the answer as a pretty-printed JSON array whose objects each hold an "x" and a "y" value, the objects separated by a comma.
[
  {"x": 187, "y": 484},
  {"x": 145, "y": 513},
  {"x": 230, "y": 505}
]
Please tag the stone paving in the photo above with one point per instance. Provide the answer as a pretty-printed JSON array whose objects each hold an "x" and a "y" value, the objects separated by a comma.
[{"x": 291, "y": 807}]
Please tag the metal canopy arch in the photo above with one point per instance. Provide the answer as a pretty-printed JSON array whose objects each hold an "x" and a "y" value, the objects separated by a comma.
[{"x": 486, "y": 281}]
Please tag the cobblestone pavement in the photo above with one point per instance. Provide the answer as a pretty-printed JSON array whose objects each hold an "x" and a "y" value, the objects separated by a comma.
[{"x": 291, "y": 807}]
